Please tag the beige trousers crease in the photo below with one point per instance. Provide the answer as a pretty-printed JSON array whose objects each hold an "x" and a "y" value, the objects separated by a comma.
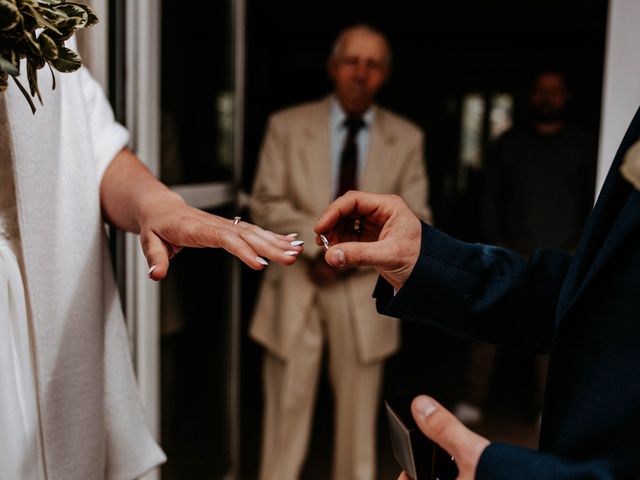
[{"x": 290, "y": 388}]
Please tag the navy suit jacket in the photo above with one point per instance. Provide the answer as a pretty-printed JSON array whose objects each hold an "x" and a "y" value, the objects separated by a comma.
[{"x": 582, "y": 310}]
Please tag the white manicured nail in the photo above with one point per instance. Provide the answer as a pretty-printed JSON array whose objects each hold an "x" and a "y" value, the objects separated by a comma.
[
  {"x": 151, "y": 269},
  {"x": 262, "y": 261},
  {"x": 425, "y": 407},
  {"x": 291, "y": 253},
  {"x": 297, "y": 243},
  {"x": 292, "y": 235}
]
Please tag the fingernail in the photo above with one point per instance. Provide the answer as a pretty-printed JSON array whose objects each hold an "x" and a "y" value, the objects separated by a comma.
[
  {"x": 337, "y": 257},
  {"x": 297, "y": 243},
  {"x": 292, "y": 235},
  {"x": 151, "y": 269},
  {"x": 291, "y": 253},
  {"x": 425, "y": 407},
  {"x": 262, "y": 261}
]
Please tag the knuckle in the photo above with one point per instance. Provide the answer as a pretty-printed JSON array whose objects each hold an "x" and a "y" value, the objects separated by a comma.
[
  {"x": 395, "y": 198},
  {"x": 156, "y": 251},
  {"x": 146, "y": 238},
  {"x": 224, "y": 236},
  {"x": 350, "y": 194}
]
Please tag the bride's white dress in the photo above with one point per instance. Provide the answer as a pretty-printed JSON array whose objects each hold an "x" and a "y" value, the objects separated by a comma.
[{"x": 20, "y": 448}]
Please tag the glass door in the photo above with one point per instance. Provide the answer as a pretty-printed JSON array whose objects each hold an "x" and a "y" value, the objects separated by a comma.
[{"x": 185, "y": 330}]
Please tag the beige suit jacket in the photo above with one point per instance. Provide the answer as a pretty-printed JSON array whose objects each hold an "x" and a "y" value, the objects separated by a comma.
[{"x": 293, "y": 187}]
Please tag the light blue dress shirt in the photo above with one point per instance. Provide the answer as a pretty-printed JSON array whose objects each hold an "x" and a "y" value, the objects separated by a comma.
[{"x": 338, "y": 135}]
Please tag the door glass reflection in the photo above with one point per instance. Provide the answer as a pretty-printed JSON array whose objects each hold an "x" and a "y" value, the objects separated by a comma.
[{"x": 197, "y": 106}]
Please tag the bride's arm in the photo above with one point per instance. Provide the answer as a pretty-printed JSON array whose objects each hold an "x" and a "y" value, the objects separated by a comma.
[{"x": 134, "y": 200}]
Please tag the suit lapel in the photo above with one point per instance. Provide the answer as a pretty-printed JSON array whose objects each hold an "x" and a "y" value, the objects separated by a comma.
[
  {"x": 315, "y": 154},
  {"x": 378, "y": 155},
  {"x": 614, "y": 215},
  {"x": 629, "y": 218}
]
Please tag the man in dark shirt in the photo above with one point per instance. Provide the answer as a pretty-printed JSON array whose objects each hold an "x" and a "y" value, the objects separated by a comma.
[
  {"x": 539, "y": 190},
  {"x": 540, "y": 178}
]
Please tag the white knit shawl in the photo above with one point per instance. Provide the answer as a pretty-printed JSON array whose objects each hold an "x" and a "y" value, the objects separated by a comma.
[{"x": 93, "y": 425}]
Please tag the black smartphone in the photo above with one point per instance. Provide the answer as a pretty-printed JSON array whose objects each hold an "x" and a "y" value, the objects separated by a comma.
[{"x": 418, "y": 456}]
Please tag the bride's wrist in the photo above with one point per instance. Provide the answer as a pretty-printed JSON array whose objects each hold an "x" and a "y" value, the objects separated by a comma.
[{"x": 153, "y": 202}]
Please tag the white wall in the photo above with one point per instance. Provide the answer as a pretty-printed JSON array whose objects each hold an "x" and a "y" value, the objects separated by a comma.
[{"x": 621, "y": 91}]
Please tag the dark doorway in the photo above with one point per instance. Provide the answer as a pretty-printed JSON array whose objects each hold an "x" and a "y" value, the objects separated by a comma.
[{"x": 441, "y": 52}]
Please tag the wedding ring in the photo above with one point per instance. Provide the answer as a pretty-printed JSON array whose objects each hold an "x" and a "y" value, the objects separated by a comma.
[
  {"x": 325, "y": 242},
  {"x": 236, "y": 220}
]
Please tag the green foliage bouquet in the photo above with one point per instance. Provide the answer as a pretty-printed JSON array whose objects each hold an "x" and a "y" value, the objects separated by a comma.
[{"x": 36, "y": 30}]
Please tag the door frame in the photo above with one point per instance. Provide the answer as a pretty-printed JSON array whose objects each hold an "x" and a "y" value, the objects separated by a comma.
[{"x": 141, "y": 297}]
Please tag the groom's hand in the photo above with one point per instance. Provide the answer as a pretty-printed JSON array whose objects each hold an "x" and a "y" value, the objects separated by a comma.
[
  {"x": 446, "y": 430},
  {"x": 368, "y": 229}
]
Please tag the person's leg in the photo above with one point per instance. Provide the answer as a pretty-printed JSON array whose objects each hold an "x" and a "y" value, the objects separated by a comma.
[
  {"x": 356, "y": 390},
  {"x": 289, "y": 394}
]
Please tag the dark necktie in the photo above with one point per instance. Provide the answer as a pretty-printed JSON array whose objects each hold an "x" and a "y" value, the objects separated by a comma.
[{"x": 349, "y": 156}]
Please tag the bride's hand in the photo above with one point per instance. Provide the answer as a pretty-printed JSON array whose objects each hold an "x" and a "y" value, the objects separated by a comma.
[
  {"x": 132, "y": 199},
  {"x": 167, "y": 229}
]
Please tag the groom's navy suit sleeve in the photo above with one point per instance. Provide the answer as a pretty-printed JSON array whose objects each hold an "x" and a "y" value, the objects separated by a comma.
[
  {"x": 493, "y": 294},
  {"x": 480, "y": 291},
  {"x": 586, "y": 308}
]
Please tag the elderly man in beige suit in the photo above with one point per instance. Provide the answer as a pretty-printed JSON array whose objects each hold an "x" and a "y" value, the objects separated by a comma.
[{"x": 311, "y": 154}]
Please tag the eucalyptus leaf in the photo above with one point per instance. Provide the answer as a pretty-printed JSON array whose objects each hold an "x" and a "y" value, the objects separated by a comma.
[
  {"x": 53, "y": 14},
  {"x": 93, "y": 18},
  {"x": 67, "y": 61},
  {"x": 48, "y": 46},
  {"x": 32, "y": 75},
  {"x": 7, "y": 67},
  {"x": 53, "y": 77},
  {"x": 26, "y": 95},
  {"x": 36, "y": 30},
  {"x": 9, "y": 15},
  {"x": 41, "y": 20},
  {"x": 78, "y": 15},
  {"x": 38, "y": 61},
  {"x": 64, "y": 29},
  {"x": 34, "y": 46}
]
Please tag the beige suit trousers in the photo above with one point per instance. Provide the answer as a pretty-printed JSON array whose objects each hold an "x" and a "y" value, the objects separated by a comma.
[{"x": 290, "y": 390}]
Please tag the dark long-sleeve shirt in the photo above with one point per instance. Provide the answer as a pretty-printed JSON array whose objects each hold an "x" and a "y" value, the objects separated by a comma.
[{"x": 539, "y": 189}]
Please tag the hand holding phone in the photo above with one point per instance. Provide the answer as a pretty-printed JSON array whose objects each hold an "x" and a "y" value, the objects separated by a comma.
[{"x": 418, "y": 456}]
